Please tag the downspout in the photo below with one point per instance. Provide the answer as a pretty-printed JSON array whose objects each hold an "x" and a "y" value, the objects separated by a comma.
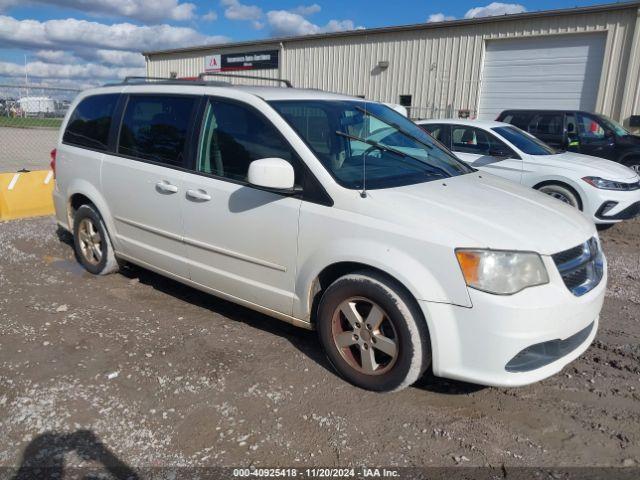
[
  {"x": 281, "y": 61},
  {"x": 631, "y": 96}
]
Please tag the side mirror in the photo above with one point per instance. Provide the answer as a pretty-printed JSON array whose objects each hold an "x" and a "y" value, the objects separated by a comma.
[{"x": 271, "y": 173}]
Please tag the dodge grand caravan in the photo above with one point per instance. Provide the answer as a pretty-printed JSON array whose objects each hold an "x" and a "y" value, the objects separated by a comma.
[{"x": 279, "y": 199}]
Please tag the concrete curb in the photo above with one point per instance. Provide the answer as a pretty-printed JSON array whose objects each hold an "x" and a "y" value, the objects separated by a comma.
[{"x": 26, "y": 194}]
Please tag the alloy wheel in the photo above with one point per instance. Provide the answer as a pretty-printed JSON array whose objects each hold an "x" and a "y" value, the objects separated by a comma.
[
  {"x": 365, "y": 336},
  {"x": 90, "y": 241},
  {"x": 559, "y": 196}
]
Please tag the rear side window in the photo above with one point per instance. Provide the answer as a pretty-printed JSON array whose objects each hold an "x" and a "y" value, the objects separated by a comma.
[
  {"x": 155, "y": 128},
  {"x": 434, "y": 130},
  {"x": 520, "y": 120},
  {"x": 547, "y": 124},
  {"x": 90, "y": 122}
]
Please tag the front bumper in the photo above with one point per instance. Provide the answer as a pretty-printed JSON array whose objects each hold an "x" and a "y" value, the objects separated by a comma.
[
  {"x": 60, "y": 207},
  {"x": 626, "y": 205},
  {"x": 481, "y": 344},
  {"x": 628, "y": 213}
]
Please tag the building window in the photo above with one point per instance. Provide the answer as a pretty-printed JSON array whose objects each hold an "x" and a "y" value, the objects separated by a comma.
[{"x": 405, "y": 100}]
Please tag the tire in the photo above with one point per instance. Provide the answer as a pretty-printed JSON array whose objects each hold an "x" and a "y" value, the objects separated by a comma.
[
  {"x": 633, "y": 164},
  {"x": 383, "y": 336},
  {"x": 564, "y": 193},
  {"x": 601, "y": 227},
  {"x": 91, "y": 242}
]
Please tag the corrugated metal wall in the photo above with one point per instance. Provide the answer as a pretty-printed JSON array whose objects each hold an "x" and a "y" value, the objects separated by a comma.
[
  {"x": 440, "y": 67},
  {"x": 191, "y": 64}
]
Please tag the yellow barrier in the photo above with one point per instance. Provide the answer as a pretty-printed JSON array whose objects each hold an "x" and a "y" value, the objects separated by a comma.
[{"x": 26, "y": 194}]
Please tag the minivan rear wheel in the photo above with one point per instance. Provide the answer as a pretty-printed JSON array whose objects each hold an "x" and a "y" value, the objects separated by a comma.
[
  {"x": 92, "y": 243},
  {"x": 373, "y": 332}
]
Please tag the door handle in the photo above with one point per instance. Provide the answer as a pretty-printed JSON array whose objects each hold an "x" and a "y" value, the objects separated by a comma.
[
  {"x": 166, "y": 187},
  {"x": 198, "y": 195}
]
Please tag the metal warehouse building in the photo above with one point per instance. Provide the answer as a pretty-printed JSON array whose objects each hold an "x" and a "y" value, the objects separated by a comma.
[{"x": 581, "y": 58}]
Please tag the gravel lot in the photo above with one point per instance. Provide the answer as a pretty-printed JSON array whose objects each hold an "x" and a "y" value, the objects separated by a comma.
[{"x": 162, "y": 374}]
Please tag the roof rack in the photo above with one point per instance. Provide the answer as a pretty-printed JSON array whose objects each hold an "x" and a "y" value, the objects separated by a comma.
[
  {"x": 172, "y": 81},
  {"x": 253, "y": 77}
]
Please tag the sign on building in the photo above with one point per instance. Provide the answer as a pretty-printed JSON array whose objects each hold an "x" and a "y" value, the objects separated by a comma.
[{"x": 242, "y": 61}]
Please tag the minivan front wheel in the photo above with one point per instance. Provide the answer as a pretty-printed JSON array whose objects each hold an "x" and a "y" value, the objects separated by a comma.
[
  {"x": 373, "y": 333},
  {"x": 91, "y": 242}
]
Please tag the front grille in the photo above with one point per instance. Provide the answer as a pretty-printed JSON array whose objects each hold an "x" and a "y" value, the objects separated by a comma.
[{"x": 581, "y": 267}]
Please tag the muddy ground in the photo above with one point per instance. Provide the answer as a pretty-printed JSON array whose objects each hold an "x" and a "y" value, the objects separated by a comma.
[{"x": 162, "y": 374}]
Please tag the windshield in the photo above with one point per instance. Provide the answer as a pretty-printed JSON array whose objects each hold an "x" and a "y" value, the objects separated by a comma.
[
  {"x": 619, "y": 130},
  {"x": 524, "y": 142},
  {"x": 356, "y": 139}
]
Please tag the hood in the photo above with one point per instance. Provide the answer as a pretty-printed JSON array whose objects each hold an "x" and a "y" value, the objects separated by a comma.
[
  {"x": 587, "y": 165},
  {"x": 479, "y": 210}
]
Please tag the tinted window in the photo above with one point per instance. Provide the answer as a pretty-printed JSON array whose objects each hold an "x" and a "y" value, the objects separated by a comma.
[
  {"x": 155, "y": 128},
  {"x": 467, "y": 139},
  {"x": 546, "y": 124},
  {"x": 514, "y": 118},
  {"x": 90, "y": 122},
  {"x": 434, "y": 130},
  {"x": 369, "y": 139},
  {"x": 525, "y": 142},
  {"x": 590, "y": 128},
  {"x": 234, "y": 135}
]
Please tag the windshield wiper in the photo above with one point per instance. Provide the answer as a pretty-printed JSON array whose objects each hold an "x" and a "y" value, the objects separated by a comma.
[
  {"x": 396, "y": 126},
  {"x": 400, "y": 153}
]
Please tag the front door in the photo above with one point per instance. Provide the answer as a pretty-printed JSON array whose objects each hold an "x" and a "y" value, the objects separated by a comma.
[
  {"x": 591, "y": 137},
  {"x": 485, "y": 152},
  {"x": 143, "y": 183},
  {"x": 241, "y": 240}
]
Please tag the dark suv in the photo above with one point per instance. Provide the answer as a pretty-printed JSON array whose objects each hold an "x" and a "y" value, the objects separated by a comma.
[{"x": 578, "y": 131}]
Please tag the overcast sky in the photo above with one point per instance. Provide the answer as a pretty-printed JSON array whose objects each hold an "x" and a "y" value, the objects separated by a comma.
[{"x": 83, "y": 42}]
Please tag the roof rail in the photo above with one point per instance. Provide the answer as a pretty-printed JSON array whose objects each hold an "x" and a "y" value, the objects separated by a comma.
[
  {"x": 172, "y": 81},
  {"x": 253, "y": 77}
]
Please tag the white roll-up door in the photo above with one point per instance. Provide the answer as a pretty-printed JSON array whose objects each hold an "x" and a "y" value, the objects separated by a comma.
[{"x": 554, "y": 72}]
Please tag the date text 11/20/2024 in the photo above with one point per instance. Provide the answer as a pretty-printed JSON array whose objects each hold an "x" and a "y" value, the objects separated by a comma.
[{"x": 316, "y": 472}]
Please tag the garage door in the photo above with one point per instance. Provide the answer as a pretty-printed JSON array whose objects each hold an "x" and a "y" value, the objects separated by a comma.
[{"x": 561, "y": 72}]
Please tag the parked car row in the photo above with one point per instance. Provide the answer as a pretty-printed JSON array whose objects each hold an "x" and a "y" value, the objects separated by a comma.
[
  {"x": 341, "y": 215},
  {"x": 580, "y": 132},
  {"x": 606, "y": 191}
]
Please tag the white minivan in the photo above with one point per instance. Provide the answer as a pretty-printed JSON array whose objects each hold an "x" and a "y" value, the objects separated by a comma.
[{"x": 279, "y": 199}]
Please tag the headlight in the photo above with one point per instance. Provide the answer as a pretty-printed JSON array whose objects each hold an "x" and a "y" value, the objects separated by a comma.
[
  {"x": 604, "y": 184},
  {"x": 501, "y": 272}
]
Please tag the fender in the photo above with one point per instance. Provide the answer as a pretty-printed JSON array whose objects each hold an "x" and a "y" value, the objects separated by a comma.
[
  {"x": 584, "y": 197},
  {"x": 83, "y": 187},
  {"x": 412, "y": 273},
  {"x": 628, "y": 155}
]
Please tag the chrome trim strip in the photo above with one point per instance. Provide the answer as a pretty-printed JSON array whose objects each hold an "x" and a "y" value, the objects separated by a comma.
[
  {"x": 590, "y": 260},
  {"x": 232, "y": 254},
  {"x": 157, "y": 231},
  {"x": 577, "y": 262},
  {"x": 204, "y": 246}
]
